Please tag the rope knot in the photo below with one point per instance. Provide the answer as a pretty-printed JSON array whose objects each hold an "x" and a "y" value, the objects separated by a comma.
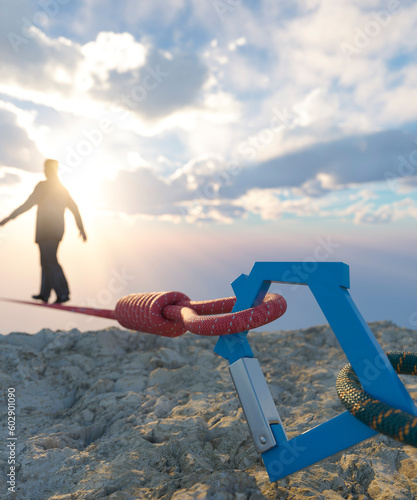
[
  {"x": 144, "y": 312},
  {"x": 171, "y": 314}
]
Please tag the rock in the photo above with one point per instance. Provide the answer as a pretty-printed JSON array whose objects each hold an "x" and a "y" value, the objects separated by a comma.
[
  {"x": 87, "y": 416},
  {"x": 121, "y": 415},
  {"x": 163, "y": 406},
  {"x": 197, "y": 492},
  {"x": 130, "y": 384}
]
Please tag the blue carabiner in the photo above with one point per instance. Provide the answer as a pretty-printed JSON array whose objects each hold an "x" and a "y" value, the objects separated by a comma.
[{"x": 328, "y": 282}]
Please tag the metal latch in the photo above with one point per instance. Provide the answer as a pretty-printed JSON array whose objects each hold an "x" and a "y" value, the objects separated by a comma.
[{"x": 256, "y": 400}]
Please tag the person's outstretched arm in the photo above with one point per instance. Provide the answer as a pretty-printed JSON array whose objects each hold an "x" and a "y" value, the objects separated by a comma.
[
  {"x": 74, "y": 209},
  {"x": 27, "y": 205}
]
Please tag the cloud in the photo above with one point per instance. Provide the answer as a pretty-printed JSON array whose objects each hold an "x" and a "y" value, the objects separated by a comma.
[
  {"x": 190, "y": 194},
  {"x": 93, "y": 16},
  {"x": 290, "y": 51},
  {"x": 201, "y": 171},
  {"x": 8, "y": 179},
  {"x": 301, "y": 184},
  {"x": 141, "y": 192},
  {"x": 262, "y": 102},
  {"x": 165, "y": 83},
  {"x": 115, "y": 69},
  {"x": 337, "y": 164},
  {"x": 269, "y": 204},
  {"x": 30, "y": 59},
  {"x": 273, "y": 59},
  {"x": 17, "y": 149},
  {"x": 387, "y": 213},
  {"x": 118, "y": 52},
  {"x": 407, "y": 184}
]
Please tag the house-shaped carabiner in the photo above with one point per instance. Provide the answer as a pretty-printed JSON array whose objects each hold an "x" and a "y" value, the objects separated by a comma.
[{"x": 329, "y": 283}]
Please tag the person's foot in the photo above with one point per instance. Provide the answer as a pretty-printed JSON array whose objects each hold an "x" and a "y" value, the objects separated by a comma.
[
  {"x": 40, "y": 297},
  {"x": 61, "y": 299}
]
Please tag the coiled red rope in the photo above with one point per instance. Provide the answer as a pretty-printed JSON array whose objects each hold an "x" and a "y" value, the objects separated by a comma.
[{"x": 171, "y": 314}]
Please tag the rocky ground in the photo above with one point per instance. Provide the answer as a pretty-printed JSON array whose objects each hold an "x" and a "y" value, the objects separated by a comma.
[{"x": 118, "y": 415}]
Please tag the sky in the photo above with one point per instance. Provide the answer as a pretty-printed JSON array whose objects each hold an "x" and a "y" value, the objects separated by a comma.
[{"x": 201, "y": 136}]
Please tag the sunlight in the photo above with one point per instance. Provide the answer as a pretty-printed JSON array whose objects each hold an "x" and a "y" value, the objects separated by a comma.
[{"x": 83, "y": 188}]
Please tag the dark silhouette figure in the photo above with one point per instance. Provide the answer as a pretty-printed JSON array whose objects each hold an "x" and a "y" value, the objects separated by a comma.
[{"x": 52, "y": 198}]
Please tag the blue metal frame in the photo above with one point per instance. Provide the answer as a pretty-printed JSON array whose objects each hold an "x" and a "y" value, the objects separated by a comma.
[{"x": 328, "y": 282}]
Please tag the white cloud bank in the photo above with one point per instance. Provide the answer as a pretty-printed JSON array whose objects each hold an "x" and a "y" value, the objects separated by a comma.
[{"x": 259, "y": 111}]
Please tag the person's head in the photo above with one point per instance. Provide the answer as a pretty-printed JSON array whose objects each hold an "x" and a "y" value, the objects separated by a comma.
[{"x": 51, "y": 168}]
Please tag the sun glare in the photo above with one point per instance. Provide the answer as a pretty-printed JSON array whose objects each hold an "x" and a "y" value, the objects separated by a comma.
[{"x": 83, "y": 188}]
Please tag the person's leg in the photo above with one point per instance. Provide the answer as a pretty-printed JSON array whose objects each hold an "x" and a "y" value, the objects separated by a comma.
[
  {"x": 55, "y": 276},
  {"x": 45, "y": 273},
  {"x": 60, "y": 283}
]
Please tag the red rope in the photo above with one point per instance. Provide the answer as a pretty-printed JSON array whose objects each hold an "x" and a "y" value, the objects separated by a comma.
[
  {"x": 102, "y": 313},
  {"x": 171, "y": 314}
]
